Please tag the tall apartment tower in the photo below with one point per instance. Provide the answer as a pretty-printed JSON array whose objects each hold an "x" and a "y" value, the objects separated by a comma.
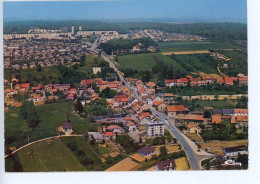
[
  {"x": 80, "y": 28},
  {"x": 72, "y": 30}
]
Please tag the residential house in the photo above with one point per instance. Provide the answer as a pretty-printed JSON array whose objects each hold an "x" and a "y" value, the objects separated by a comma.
[
  {"x": 165, "y": 165},
  {"x": 62, "y": 87},
  {"x": 131, "y": 127},
  {"x": 190, "y": 118},
  {"x": 144, "y": 121},
  {"x": 216, "y": 119},
  {"x": 114, "y": 129},
  {"x": 174, "y": 110},
  {"x": 243, "y": 80},
  {"x": 162, "y": 107},
  {"x": 193, "y": 128},
  {"x": 228, "y": 81},
  {"x": 96, "y": 70},
  {"x": 67, "y": 128},
  {"x": 240, "y": 112},
  {"x": 146, "y": 151},
  {"x": 110, "y": 135},
  {"x": 99, "y": 137},
  {"x": 231, "y": 152}
]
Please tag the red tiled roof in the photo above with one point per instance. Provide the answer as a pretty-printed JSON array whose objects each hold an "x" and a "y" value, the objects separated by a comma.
[
  {"x": 242, "y": 111},
  {"x": 70, "y": 95},
  {"x": 111, "y": 127},
  {"x": 150, "y": 84},
  {"x": 243, "y": 118},
  {"x": 87, "y": 81},
  {"x": 156, "y": 102},
  {"x": 130, "y": 124},
  {"x": 191, "y": 117},
  {"x": 109, "y": 134},
  {"x": 25, "y": 85},
  {"x": 175, "y": 108},
  {"x": 243, "y": 79},
  {"x": 182, "y": 80},
  {"x": 216, "y": 119},
  {"x": 122, "y": 99},
  {"x": 190, "y": 125},
  {"x": 220, "y": 80},
  {"x": 96, "y": 98},
  {"x": 228, "y": 80}
]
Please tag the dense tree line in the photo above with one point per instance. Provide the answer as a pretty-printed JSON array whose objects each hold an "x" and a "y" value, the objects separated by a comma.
[
  {"x": 223, "y": 131},
  {"x": 29, "y": 113},
  {"x": 210, "y": 89},
  {"x": 117, "y": 46}
]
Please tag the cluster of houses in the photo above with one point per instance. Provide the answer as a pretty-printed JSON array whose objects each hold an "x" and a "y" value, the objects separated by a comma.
[
  {"x": 235, "y": 116},
  {"x": 45, "y": 53},
  {"x": 205, "y": 80},
  {"x": 219, "y": 56},
  {"x": 159, "y": 35}
]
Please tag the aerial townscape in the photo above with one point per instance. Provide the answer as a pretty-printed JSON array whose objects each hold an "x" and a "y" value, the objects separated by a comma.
[{"x": 85, "y": 95}]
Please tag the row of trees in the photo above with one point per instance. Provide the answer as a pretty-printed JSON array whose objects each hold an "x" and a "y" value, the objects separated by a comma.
[
  {"x": 116, "y": 46},
  {"x": 223, "y": 131}
]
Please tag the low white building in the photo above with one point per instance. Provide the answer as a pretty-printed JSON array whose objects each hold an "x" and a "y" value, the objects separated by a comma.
[{"x": 96, "y": 70}]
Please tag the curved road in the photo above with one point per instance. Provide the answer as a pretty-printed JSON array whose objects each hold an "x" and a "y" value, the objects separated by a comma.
[{"x": 58, "y": 136}]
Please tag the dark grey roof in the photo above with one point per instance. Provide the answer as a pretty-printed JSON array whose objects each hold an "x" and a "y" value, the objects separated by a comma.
[
  {"x": 217, "y": 111},
  {"x": 166, "y": 164},
  {"x": 146, "y": 150},
  {"x": 235, "y": 149},
  {"x": 67, "y": 125},
  {"x": 228, "y": 111}
]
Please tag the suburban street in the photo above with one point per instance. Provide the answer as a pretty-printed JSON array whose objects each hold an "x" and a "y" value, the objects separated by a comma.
[{"x": 194, "y": 156}]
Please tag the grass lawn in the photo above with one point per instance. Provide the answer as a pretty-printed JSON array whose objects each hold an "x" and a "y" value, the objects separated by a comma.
[
  {"x": 193, "y": 45},
  {"x": 50, "y": 115}
]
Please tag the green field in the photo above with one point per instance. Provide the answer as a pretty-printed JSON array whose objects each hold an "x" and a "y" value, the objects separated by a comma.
[
  {"x": 48, "y": 74},
  {"x": 237, "y": 64},
  {"x": 51, "y": 116},
  {"x": 136, "y": 61},
  {"x": 193, "y": 45},
  {"x": 63, "y": 154},
  {"x": 55, "y": 155},
  {"x": 180, "y": 63}
]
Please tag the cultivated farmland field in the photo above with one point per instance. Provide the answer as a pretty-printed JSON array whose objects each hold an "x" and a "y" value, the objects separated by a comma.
[
  {"x": 217, "y": 146},
  {"x": 125, "y": 165}
]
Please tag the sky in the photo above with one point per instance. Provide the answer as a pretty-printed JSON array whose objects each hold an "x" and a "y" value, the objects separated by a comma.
[{"x": 210, "y": 10}]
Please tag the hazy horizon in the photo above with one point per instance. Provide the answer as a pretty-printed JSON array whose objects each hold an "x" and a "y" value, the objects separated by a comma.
[{"x": 128, "y": 10}]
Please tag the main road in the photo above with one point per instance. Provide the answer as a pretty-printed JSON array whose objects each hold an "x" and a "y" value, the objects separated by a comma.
[{"x": 194, "y": 156}]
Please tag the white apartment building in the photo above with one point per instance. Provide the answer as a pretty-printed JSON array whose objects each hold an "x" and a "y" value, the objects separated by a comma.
[{"x": 155, "y": 128}]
